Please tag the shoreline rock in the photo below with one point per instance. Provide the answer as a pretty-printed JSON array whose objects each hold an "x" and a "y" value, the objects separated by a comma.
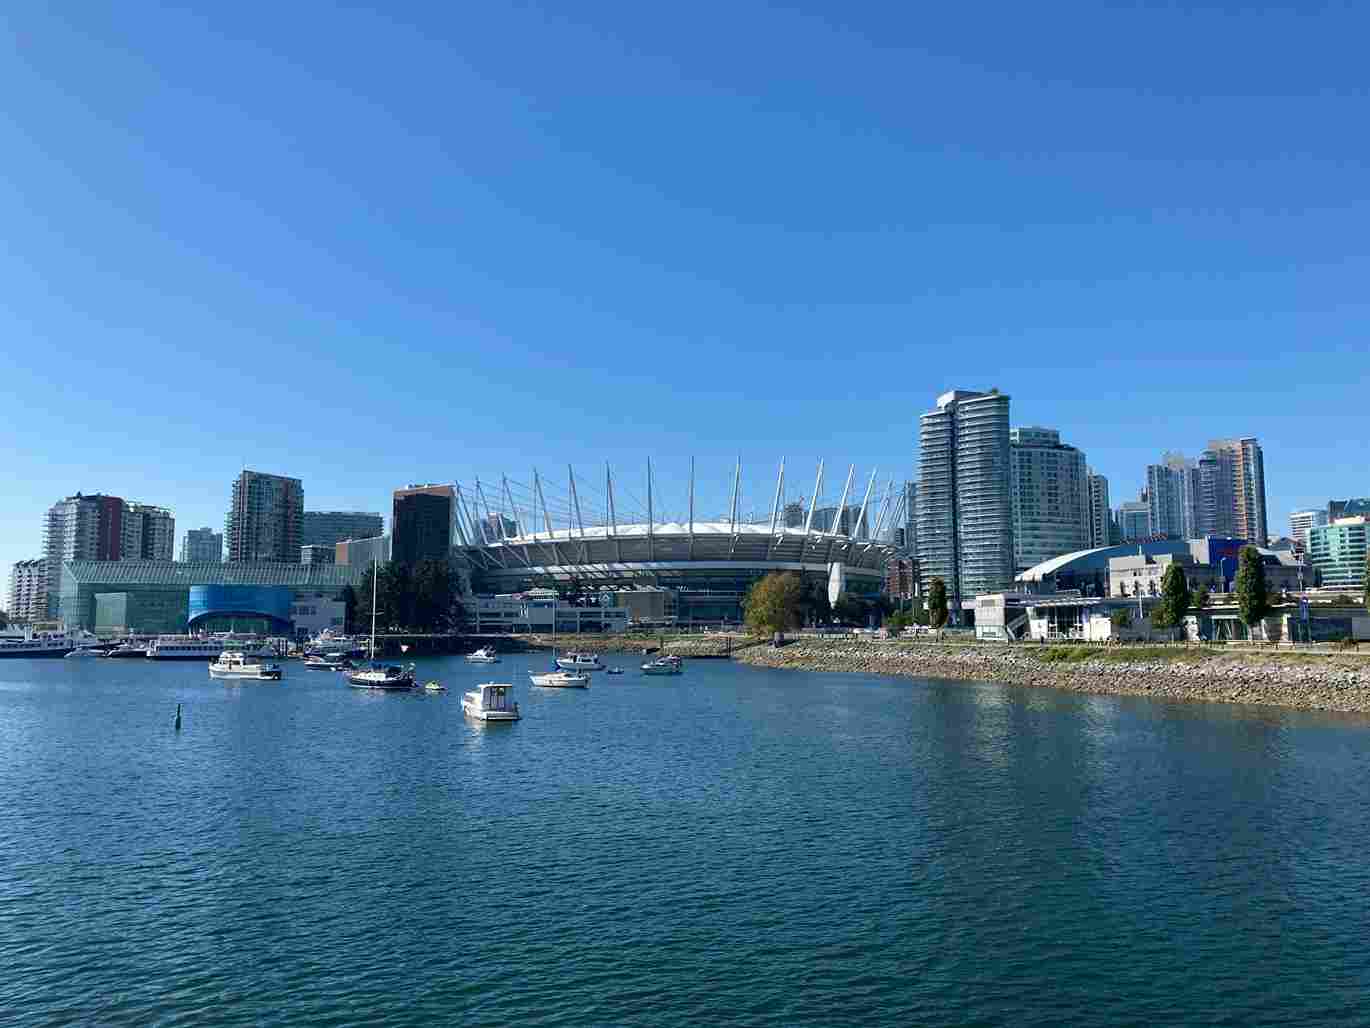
[{"x": 1325, "y": 682}]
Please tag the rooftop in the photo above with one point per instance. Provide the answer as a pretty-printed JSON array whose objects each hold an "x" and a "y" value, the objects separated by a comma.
[{"x": 165, "y": 572}]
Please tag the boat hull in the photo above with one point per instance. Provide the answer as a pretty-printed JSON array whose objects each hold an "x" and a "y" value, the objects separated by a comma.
[
  {"x": 550, "y": 682},
  {"x": 471, "y": 711},
  {"x": 238, "y": 676},
  {"x": 35, "y": 654}
]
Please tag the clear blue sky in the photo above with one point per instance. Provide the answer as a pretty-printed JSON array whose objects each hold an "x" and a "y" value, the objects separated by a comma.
[{"x": 367, "y": 248}]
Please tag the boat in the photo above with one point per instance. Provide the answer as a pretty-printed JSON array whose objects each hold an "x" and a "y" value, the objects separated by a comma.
[
  {"x": 335, "y": 662},
  {"x": 492, "y": 701},
  {"x": 87, "y": 651},
  {"x": 379, "y": 675},
  {"x": 572, "y": 661},
  {"x": 561, "y": 679},
  {"x": 206, "y": 648},
  {"x": 326, "y": 644},
  {"x": 669, "y": 665},
  {"x": 614, "y": 671},
  {"x": 236, "y": 664},
  {"x": 434, "y": 687},
  {"x": 31, "y": 642},
  {"x": 484, "y": 655}
]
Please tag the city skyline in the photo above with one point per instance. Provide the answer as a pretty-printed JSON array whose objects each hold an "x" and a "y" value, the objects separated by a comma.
[{"x": 758, "y": 480}]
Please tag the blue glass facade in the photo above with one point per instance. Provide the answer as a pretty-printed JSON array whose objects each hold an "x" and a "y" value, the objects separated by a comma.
[{"x": 269, "y": 603}]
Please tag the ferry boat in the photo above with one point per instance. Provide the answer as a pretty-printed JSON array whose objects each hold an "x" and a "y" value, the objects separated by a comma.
[
  {"x": 561, "y": 679},
  {"x": 668, "y": 665},
  {"x": 572, "y": 661},
  {"x": 190, "y": 647},
  {"x": 491, "y": 702},
  {"x": 484, "y": 655},
  {"x": 377, "y": 675},
  {"x": 28, "y": 642},
  {"x": 236, "y": 664}
]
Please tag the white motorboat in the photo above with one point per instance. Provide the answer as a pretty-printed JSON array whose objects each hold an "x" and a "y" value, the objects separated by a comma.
[
  {"x": 28, "y": 642},
  {"x": 434, "y": 687},
  {"x": 571, "y": 661},
  {"x": 669, "y": 665},
  {"x": 314, "y": 662},
  {"x": 492, "y": 701},
  {"x": 86, "y": 651},
  {"x": 484, "y": 655},
  {"x": 236, "y": 664},
  {"x": 561, "y": 679},
  {"x": 128, "y": 649}
]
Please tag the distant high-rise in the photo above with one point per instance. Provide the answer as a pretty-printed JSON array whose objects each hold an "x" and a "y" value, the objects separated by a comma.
[
  {"x": 1231, "y": 488},
  {"x": 422, "y": 523},
  {"x": 1165, "y": 497},
  {"x": 1134, "y": 521},
  {"x": 965, "y": 510},
  {"x": 1301, "y": 522},
  {"x": 1100, "y": 514},
  {"x": 149, "y": 533},
  {"x": 1050, "y": 492},
  {"x": 28, "y": 590},
  {"x": 266, "y": 519},
  {"x": 202, "y": 546},
  {"x": 792, "y": 515},
  {"x": 1337, "y": 551},
  {"x": 318, "y": 554},
  {"x": 81, "y": 527},
  {"x": 329, "y": 527}
]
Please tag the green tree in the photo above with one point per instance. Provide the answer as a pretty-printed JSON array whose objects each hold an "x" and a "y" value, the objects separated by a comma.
[
  {"x": 813, "y": 603},
  {"x": 850, "y": 610},
  {"x": 1120, "y": 619},
  {"x": 1174, "y": 603},
  {"x": 1253, "y": 597},
  {"x": 1199, "y": 599},
  {"x": 773, "y": 603},
  {"x": 898, "y": 621},
  {"x": 937, "y": 603}
]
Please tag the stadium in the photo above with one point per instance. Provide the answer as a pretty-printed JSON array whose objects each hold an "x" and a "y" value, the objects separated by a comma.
[{"x": 680, "y": 566}]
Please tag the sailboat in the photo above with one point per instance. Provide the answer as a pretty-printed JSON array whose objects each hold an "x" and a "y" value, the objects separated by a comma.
[
  {"x": 377, "y": 675},
  {"x": 557, "y": 678}
]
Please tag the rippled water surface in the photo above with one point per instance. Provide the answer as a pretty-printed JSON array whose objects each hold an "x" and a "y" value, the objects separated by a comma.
[{"x": 732, "y": 847}]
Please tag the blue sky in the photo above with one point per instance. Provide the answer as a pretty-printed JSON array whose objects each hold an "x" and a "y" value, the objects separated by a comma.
[{"x": 374, "y": 247}]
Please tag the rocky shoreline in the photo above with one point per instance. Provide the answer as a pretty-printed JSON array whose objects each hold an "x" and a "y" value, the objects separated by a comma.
[{"x": 1304, "y": 682}]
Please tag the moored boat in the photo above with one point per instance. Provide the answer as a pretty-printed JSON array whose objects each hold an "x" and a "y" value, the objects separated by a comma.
[
  {"x": 572, "y": 661},
  {"x": 560, "y": 679},
  {"x": 668, "y": 665},
  {"x": 484, "y": 655},
  {"x": 378, "y": 675},
  {"x": 492, "y": 701},
  {"x": 29, "y": 642},
  {"x": 237, "y": 665}
]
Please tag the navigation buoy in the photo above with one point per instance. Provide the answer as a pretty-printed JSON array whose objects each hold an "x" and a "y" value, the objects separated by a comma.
[{"x": 178, "y": 717}]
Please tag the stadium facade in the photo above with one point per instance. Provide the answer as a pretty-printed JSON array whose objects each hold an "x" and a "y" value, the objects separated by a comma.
[{"x": 698, "y": 568}]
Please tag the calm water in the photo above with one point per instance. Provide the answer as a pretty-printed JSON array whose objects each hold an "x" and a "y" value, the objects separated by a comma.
[{"x": 735, "y": 846}]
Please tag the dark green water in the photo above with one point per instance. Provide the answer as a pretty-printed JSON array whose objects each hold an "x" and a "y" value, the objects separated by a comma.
[{"x": 733, "y": 847}]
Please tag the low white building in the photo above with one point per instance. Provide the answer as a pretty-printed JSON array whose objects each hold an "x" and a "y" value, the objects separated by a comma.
[{"x": 533, "y": 612}]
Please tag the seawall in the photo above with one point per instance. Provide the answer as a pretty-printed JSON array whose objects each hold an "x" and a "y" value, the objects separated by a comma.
[{"x": 1301, "y": 681}]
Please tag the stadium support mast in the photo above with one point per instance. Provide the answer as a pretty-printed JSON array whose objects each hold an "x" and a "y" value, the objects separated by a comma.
[
  {"x": 575, "y": 500},
  {"x": 861, "y": 518},
  {"x": 817, "y": 488}
]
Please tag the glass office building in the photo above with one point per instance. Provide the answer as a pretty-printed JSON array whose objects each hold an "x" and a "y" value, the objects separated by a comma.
[{"x": 161, "y": 597}]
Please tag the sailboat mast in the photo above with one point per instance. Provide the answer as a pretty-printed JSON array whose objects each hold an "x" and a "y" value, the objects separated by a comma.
[{"x": 375, "y": 574}]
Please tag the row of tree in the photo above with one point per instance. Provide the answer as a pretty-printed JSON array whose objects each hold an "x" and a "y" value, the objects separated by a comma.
[{"x": 422, "y": 597}]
